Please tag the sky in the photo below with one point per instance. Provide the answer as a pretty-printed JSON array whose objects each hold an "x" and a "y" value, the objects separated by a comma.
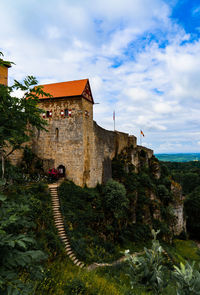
[{"x": 142, "y": 58}]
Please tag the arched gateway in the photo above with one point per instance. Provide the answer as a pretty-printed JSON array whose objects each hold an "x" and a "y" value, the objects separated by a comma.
[{"x": 61, "y": 171}]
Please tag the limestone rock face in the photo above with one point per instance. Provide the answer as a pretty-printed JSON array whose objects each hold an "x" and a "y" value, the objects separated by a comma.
[{"x": 180, "y": 223}]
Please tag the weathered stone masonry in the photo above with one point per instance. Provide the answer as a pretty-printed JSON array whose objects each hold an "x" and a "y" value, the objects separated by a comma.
[
  {"x": 78, "y": 143},
  {"x": 74, "y": 140}
]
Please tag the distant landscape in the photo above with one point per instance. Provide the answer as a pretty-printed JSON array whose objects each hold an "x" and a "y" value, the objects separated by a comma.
[{"x": 178, "y": 157}]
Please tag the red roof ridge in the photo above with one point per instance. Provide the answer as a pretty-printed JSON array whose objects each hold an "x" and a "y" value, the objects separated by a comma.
[
  {"x": 68, "y": 89},
  {"x": 87, "y": 79}
]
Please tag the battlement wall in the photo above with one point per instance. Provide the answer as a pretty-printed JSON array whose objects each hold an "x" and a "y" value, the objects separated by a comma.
[{"x": 107, "y": 145}]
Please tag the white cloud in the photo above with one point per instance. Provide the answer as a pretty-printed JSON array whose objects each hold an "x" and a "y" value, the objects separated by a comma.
[{"x": 119, "y": 46}]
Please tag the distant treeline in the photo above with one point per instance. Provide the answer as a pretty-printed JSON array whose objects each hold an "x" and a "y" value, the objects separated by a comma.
[{"x": 178, "y": 157}]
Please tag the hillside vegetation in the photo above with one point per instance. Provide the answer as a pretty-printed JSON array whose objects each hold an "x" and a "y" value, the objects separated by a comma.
[
  {"x": 188, "y": 175},
  {"x": 132, "y": 215}
]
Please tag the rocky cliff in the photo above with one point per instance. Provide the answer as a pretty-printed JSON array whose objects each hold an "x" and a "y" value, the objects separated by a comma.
[{"x": 157, "y": 200}]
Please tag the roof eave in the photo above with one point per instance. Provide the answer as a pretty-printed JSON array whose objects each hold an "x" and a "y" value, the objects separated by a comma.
[{"x": 60, "y": 97}]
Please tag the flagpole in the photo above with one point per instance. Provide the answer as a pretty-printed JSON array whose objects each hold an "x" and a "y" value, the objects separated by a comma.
[{"x": 114, "y": 119}]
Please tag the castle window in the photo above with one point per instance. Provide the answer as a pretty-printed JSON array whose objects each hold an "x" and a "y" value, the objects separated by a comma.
[
  {"x": 86, "y": 113},
  {"x": 49, "y": 114},
  {"x": 66, "y": 112},
  {"x": 57, "y": 134}
]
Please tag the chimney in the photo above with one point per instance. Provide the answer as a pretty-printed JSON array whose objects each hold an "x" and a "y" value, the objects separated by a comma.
[{"x": 4, "y": 65}]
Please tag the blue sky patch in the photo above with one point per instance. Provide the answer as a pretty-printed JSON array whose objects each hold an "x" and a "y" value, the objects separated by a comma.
[{"x": 187, "y": 14}]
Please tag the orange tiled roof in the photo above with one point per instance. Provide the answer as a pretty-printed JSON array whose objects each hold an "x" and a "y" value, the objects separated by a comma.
[{"x": 66, "y": 89}]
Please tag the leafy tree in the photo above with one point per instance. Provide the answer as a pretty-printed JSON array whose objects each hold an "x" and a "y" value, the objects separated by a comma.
[
  {"x": 192, "y": 209},
  {"x": 115, "y": 199},
  {"x": 19, "y": 116},
  {"x": 19, "y": 253},
  {"x": 115, "y": 204},
  {"x": 190, "y": 180}
]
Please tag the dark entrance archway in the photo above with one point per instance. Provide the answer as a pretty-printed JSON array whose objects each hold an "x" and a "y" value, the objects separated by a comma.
[{"x": 61, "y": 171}]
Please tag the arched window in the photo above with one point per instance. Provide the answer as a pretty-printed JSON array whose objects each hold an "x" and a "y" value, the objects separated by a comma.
[{"x": 57, "y": 134}]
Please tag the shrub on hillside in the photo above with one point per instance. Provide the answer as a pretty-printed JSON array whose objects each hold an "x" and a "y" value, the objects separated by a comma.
[
  {"x": 192, "y": 209},
  {"x": 149, "y": 270},
  {"x": 187, "y": 279},
  {"x": 115, "y": 199}
]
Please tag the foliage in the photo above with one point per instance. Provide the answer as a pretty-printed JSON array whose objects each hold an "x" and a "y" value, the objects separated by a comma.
[
  {"x": 31, "y": 167},
  {"x": 192, "y": 209},
  {"x": 187, "y": 174},
  {"x": 89, "y": 220},
  {"x": 187, "y": 279},
  {"x": 19, "y": 116},
  {"x": 19, "y": 252},
  {"x": 27, "y": 235},
  {"x": 118, "y": 171},
  {"x": 115, "y": 200},
  {"x": 65, "y": 279},
  {"x": 148, "y": 269},
  {"x": 163, "y": 194},
  {"x": 187, "y": 250}
]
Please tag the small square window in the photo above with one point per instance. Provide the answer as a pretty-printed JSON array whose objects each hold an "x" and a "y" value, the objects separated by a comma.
[
  {"x": 66, "y": 112},
  {"x": 49, "y": 114}
]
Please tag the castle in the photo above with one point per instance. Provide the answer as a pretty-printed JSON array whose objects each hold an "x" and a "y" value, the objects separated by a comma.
[
  {"x": 74, "y": 141},
  {"x": 84, "y": 150}
]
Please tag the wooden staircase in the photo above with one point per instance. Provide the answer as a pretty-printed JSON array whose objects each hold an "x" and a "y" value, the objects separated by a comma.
[{"x": 59, "y": 223}]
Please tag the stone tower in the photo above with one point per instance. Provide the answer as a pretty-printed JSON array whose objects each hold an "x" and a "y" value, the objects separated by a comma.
[{"x": 69, "y": 140}]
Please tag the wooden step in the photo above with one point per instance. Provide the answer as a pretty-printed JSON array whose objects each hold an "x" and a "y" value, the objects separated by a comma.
[
  {"x": 63, "y": 235},
  {"x": 82, "y": 265},
  {"x": 65, "y": 240},
  {"x": 70, "y": 252},
  {"x": 79, "y": 263},
  {"x": 61, "y": 230},
  {"x": 72, "y": 256}
]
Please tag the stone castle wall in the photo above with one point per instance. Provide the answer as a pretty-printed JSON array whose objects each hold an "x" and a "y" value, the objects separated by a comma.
[
  {"x": 108, "y": 144},
  {"x": 78, "y": 143},
  {"x": 64, "y": 142}
]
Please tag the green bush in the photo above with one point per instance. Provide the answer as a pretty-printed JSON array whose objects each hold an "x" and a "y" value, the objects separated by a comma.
[
  {"x": 192, "y": 209},
  {"x": 76, "y": 286},
  {"x": 187, "y": 279},
  {"x": 148, "y": 269},
  {"x": 20, "y": 255},
  {"x": 115, "y": 200}
]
